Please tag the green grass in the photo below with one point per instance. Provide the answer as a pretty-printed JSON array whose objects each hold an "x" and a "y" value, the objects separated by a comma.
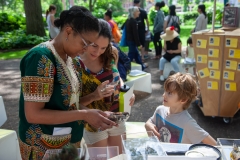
[{"x": 16, "y": 54}]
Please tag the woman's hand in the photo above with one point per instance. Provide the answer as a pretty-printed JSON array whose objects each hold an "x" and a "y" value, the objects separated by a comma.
[
  {"x": 170, "y": 51},
  {"x": 98, "y": 119},
  {"x": 132, "y": 100},
  {"x": 149, "y": 126},
  {"x": 103, "y": 90}
]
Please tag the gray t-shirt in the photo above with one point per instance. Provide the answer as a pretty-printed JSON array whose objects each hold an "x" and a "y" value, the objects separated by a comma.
[
  {"x": 177, "y": 128},
  {"x": 172, "y": 18},
  {"x": 201, "y": 23}
]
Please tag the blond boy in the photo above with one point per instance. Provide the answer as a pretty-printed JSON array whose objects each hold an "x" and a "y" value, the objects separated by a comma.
[{"x": 171, "y": 121}]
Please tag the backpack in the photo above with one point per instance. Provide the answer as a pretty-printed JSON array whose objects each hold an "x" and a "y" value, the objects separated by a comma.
[
  {"x": 115, "y": 32},
  {"x": 124, "y": 63},
  {"x": 175, "y": 24},
  {"x": 123, "y": 42}
]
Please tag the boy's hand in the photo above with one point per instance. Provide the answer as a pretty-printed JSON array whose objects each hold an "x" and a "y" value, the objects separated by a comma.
[{"x": 149, "y": 126}]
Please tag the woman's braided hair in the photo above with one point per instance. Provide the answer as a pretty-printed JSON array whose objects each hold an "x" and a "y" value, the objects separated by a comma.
[{"x": 79, "y": 18}]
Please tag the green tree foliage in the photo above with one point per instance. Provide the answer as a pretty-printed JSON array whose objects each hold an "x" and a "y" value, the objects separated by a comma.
[
  {"x": 152, "y": 13},
  {"x": 185, "y": 5},
  {"x": 115, "y": 5},
  {"x": 180, "y": 1},
  {"x": 19, "y": 39},
  {"x": 100, "y": 6},
  {"x": 12, "y": 5},
  {"x": 11, "y": 21},
  {"x": 197, "y": 1},
  {"x": 209, "y": 10}
]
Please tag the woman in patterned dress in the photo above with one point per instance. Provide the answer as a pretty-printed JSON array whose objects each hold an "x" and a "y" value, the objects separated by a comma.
[
  {"x": 51, "y": 87},
  {"x": 98, "y": 70}
]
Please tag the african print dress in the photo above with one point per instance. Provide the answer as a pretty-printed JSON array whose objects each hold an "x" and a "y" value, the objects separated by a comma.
[
  {"x": 90, "y": 82},
  {"x": 45, "y": 77}
]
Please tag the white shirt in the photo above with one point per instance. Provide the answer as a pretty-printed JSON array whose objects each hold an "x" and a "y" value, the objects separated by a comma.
[{"x": 53, "y": 31}]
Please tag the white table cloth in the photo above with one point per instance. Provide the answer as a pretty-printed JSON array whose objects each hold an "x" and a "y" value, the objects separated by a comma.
[
  {"x": 3, "y": 115},
  {"x": 9, "y": 146},
  {"x": 141, "y": 83}
]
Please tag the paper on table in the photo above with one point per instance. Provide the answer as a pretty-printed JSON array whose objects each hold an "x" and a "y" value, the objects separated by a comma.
[
  {"x": 61, "y": 130},
  {"x": 171, "y": 147},
  {"x": 136, "y": 73},
  {"x": 127, "y": 96}
]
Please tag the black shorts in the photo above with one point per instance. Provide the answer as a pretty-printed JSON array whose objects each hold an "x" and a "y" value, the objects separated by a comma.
[{"x": 141, "y": 34}]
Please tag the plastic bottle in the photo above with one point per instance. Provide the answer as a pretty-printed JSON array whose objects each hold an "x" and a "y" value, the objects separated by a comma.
[{"x": 123, "y": 90}]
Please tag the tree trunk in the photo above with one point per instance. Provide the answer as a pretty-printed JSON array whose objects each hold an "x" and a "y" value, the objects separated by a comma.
[
  {"x": 34, "y": 19},
  {"x": 92, "y": 4}
]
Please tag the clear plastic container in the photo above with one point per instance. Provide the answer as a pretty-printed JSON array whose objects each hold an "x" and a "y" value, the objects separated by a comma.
[
  {"x": 93, "y": 153},
  {"x": 138, "y": 146},
  {"x": 226, "y": 146}
]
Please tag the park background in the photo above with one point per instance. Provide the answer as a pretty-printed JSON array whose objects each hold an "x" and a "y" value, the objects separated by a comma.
[{"x": 23, "y": 22}]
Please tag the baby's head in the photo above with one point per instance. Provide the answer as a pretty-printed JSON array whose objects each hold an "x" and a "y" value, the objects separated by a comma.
[
  {"x": 184, "y": 86},
  {"x": 189, "y": 42}
]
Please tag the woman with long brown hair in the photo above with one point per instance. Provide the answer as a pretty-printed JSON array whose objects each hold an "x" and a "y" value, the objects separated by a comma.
[{"x": 99, "y": 68}]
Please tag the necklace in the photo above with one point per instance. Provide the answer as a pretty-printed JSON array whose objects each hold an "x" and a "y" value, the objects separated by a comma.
[{"x": 71, "y": 76}]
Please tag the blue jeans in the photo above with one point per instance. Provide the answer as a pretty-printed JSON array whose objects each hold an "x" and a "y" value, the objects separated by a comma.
[
  {"x": 134, "y": 54},
  {"x": 174, "y": 63}
]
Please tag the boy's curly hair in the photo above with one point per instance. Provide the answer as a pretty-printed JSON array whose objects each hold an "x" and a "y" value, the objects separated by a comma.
[{"x": 184, "y": 85}]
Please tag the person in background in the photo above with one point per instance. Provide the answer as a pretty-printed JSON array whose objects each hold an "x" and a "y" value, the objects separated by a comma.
[
  {"x": 50, "y": 13},
  {"x": 173, "y": 49},
  {"x": 116, "y": 35},
  {"x": 172, "y": 17},
  {"x": 148, "y": 39},
  {"x": 158, "y": 29},
  {"x": 142, "y": 27},
  {"x": 171, "y": 121},
  {"x": 101, "y": 87},
  {"x": 51, "y": 88},
  {"x": 133, "y": 37},
  {"x": 124, "y": 63},
  {"x": 190, "y": 54},
  {"x": 201, "y": 22}
]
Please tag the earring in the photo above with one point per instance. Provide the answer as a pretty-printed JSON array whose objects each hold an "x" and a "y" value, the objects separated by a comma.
[{"x": 66, "y": 39}]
